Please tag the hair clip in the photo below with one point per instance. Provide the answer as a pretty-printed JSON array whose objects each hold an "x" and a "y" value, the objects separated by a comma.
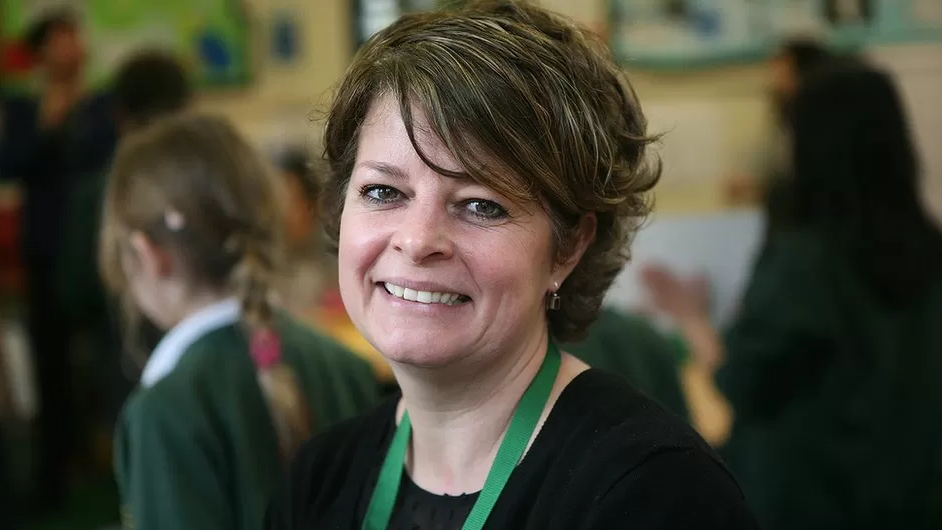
[{"x": 174, "y": 220}]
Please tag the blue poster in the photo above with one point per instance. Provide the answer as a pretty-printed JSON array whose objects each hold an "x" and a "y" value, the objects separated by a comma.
[{"x": 682, "y": 34}]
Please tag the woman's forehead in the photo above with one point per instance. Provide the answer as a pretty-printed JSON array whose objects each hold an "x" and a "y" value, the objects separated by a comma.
[{"x": 384, "y": 137}]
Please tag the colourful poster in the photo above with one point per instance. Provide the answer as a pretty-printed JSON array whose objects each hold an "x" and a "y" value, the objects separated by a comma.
[{"x": 210, "y": 36}]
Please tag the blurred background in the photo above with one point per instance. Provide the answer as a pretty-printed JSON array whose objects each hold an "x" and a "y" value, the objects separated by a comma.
[{"x": 708, "y": 73}]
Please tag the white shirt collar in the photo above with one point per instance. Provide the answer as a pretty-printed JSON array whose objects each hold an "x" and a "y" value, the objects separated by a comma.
[{"x": 174, "y": 344}]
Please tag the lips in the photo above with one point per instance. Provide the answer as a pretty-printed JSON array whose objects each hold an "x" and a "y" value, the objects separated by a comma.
[{"x": 425, "y": 297}]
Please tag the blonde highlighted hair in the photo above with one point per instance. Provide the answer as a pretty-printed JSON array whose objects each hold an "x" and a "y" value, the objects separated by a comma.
[{"x": 193, "y": 186}]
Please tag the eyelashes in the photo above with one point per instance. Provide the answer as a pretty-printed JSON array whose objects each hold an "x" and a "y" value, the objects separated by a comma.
[
  {"x": 379, "y": 194},
  {"x": 480, "y": 209}
]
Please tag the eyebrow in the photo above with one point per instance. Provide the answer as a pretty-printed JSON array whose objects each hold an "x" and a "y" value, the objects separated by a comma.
[
  {"x": 400, "y": 174},
  {"x": 384, "y": 168}
]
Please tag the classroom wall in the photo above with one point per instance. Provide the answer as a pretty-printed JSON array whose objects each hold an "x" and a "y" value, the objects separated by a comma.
[
  {"x": 715, "y": 119},
  {"x": 285, "y": 98},
  {"x": 727, "y": 103}
]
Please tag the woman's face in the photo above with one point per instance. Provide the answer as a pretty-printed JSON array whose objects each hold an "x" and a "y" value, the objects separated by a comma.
[{"x": 434, "y": 270}]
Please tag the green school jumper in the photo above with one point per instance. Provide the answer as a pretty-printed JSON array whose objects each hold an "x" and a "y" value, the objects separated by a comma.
[
  {"x": 629, "y": 346},
  {"x": 195, "y": 448},
  {"x": 837, "y": 398}
]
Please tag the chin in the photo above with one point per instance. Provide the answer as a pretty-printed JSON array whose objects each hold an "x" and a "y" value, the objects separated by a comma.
[{"x": 414, "y": 348}]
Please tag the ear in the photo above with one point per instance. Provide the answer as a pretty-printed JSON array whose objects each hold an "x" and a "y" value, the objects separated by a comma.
[
  {"x": 585, "y": 234},
  {"x": 153, "y": 260}
]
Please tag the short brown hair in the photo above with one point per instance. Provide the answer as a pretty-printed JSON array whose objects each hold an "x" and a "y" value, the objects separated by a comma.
[
  {"x": 194, "y": 186},
  {"x": 511, "y": 88}
]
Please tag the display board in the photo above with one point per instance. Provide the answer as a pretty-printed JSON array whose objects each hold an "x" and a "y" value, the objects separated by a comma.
[
  {"x": 211, "y": 36},
  {"x": 681, "y": 34}
]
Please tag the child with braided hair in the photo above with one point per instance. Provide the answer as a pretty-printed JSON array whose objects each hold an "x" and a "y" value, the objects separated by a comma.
[{"x": 193, "y": 239}]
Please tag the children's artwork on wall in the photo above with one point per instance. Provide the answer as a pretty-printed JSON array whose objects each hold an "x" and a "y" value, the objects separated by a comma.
[
  {"x": 212, "y": 37},
  {"x": 683, "y": 34}
]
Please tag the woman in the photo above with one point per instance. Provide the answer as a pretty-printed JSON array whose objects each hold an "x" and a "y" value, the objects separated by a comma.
[
  {"x": 488, "y": 170},
  {"x": 832, "y": 368}
]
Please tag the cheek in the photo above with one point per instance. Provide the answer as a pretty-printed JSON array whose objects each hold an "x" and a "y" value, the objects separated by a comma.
[
  {"x": 517, "y": 264},
  {"x": 360, "y": 243}
]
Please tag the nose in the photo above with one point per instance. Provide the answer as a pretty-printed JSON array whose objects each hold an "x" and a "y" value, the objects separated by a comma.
[{"x": 424, "y": 234}]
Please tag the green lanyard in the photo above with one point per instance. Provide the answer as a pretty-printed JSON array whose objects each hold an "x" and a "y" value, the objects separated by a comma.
[{"x": 508, "y": 456}]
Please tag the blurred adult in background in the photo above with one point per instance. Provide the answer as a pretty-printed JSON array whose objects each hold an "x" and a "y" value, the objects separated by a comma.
[
  {"x": 50, "y": 143},
  {"x": 832, "y": 367}
]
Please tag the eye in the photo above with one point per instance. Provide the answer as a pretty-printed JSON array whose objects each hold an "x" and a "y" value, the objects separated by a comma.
[
  {"x": 485, "y": 209},
  {"x": 380, "y": 194}
]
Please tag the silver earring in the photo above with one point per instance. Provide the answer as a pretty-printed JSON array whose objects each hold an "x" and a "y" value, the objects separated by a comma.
[{"x": 553, "y": 301}]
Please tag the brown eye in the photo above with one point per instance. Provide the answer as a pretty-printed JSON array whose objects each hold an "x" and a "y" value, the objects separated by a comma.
[
  {"x": 484, "y": 209},
  {"x": 380, "y": 194}
]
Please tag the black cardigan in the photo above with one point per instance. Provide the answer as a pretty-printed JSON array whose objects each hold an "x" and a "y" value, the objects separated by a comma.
[{"x": 607, "y": 457}]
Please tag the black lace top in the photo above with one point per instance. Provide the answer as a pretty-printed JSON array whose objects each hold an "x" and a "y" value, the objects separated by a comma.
[{"x": 417, "y": 509}]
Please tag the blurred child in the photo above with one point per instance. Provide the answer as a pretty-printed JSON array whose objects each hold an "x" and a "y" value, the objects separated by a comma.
[
  {"x": 193, "y": 238},
  {"x": 303, "y": 184},
  {"x": 302, "y": 286}
]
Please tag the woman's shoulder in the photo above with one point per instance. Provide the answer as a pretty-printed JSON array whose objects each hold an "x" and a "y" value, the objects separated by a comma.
[
  {"x": 624, "y": 449},
  {"x": 604, "y": 414}
]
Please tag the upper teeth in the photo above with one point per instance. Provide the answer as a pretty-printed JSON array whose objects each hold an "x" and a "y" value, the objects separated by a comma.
[{"x": 425, "y": 297}]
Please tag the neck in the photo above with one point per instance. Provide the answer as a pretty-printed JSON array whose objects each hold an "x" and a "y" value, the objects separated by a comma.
[
  {"x": 459, "y": 415},
  {"x": 197, "y": 303}
]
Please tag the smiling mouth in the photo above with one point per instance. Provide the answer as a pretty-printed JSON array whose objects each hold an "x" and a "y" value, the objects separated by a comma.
[{"x": 425, "y": 297}]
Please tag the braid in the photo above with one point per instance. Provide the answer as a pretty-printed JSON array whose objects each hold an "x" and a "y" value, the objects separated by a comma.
[{"x": 252, "y": 280}]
